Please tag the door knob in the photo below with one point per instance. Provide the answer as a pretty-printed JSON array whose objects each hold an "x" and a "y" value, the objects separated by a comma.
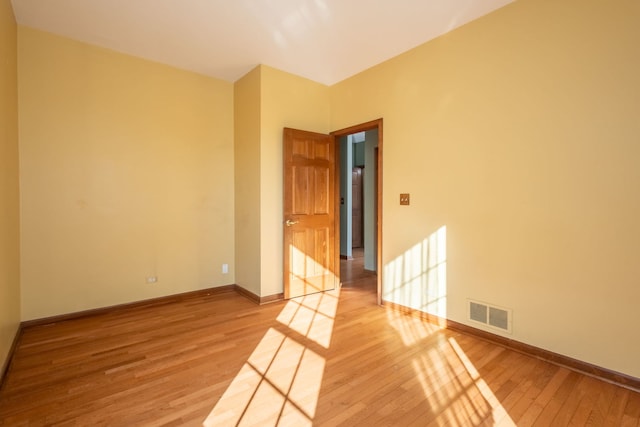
[{"x": 289, "y": 223}]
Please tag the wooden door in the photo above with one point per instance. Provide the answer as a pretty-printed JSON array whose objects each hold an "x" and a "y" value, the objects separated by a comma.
[
  {"x": 309, "y": 213},
  {"x": 357, "y": 217}
]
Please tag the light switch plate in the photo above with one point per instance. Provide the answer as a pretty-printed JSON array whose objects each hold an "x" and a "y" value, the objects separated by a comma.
[{"x": 404, "y": 198}]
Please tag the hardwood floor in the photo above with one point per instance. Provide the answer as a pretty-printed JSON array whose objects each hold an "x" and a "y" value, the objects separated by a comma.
[{"x": 330, "y": 359}]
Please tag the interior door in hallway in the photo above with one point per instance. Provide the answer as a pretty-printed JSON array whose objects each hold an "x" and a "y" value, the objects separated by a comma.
[
  {"x": 357, "y": 205},
  {"x": 310, "y": 263}
]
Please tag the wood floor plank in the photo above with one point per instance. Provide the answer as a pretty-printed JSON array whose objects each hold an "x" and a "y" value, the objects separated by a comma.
[
  {"x": 632, "y": 410},
  {"x": 532, "y": 389},
  {"x": 171, "y": 364}
]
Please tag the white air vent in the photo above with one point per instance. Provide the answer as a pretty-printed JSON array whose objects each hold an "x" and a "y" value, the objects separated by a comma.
[{"x": 490, "y": 315}]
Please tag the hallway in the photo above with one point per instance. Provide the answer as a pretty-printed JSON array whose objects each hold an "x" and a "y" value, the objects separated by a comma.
[{"x": 353, "y": 274}]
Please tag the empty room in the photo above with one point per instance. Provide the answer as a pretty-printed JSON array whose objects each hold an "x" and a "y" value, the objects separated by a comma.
[{"x": 319, "y": 212}]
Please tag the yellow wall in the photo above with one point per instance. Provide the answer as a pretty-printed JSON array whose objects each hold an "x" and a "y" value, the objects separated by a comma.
[
  {"x": 126, "y": 172},
  {"x": 266, "y": 101},
  {"x": 9, "y": 188},
  {"x": 518, "y": 133},
  {"x": 247, "y": 180},
  {"x": 287, "y": 101}
]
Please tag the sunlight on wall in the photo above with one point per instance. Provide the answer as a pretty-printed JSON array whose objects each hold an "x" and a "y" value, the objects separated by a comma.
[
  {"x": 418, "y": 278},
  {"x": 280, "y": 382}
]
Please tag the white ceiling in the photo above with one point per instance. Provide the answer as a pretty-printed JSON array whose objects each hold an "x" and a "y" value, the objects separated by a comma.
[{"x": 323, "y": 40}]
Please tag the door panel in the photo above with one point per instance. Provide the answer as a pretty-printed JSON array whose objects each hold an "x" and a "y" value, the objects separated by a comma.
[
  {"x": 309, "y": 213},
  {"x": 321, "y": 191},
  {"x": 299, "y": 188}
]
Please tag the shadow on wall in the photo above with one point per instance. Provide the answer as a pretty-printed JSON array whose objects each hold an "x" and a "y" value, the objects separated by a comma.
[{"x": 418, "y": 278}]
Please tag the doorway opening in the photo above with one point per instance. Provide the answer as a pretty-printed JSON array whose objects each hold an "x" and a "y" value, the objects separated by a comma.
[{"x": 359, "y": 201}]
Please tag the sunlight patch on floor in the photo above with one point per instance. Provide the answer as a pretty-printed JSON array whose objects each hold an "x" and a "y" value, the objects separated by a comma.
[
  {"x": 412, "y": 330},
  {"x": 500, "y": 415},
  {"x": 280, "y": 382},
  {"x": 453, "y": 388},
  {"x": 312, "y": 316}
]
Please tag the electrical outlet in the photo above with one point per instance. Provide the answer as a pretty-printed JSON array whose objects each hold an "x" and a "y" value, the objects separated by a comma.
[
  {"x": 152, "y": 279},
  {"x": 225, "y": 268}
]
